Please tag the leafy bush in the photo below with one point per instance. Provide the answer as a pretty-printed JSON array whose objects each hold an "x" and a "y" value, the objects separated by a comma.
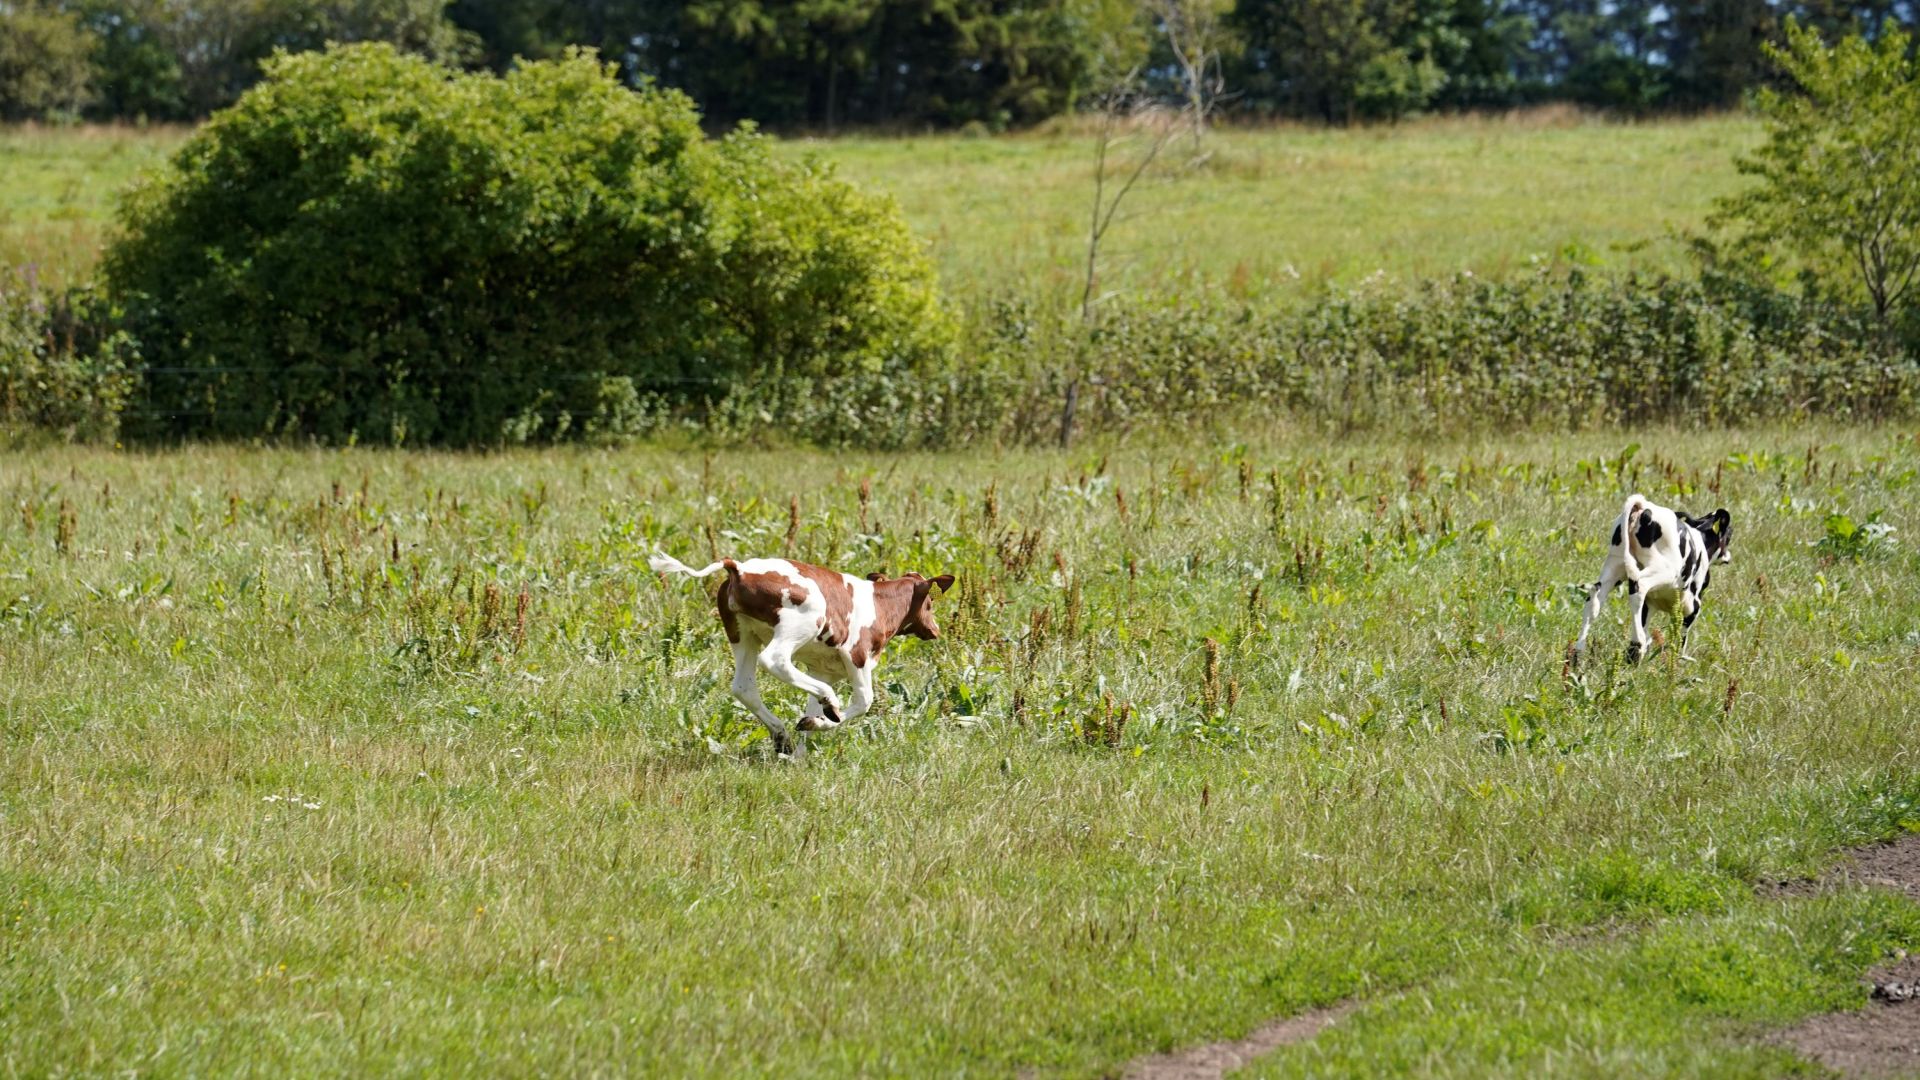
[
  {"x": 367, "y": 246},
  {"x": 1847, "y": 539},
  {"x": 1839, "y": 175},
  {"x": 59, "y": 370}
]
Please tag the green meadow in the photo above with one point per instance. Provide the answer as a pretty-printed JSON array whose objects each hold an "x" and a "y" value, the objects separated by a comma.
[
  {"x": 1269, "y": 210},
  {"x": 348, "y": 762},
  {"x": 338, "y": 762}
]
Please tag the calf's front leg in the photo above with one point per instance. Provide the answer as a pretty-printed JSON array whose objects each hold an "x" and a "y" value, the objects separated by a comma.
[
  {"x": 862, "y": 678},
  {"x": 1692, "y": 606},
  {"x": 814, "y": 717},
  {"x": 791, "y": 633}
]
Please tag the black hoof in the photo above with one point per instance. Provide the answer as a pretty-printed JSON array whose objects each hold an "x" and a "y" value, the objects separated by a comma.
[
  {"x": 1633, "y": 653},
  {"x": 831, "y": 713}
]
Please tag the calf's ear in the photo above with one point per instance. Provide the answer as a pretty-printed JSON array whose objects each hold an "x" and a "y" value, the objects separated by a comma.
[
  {"x": 876, "y": 576},
  {"x": 945, "y": 581}
]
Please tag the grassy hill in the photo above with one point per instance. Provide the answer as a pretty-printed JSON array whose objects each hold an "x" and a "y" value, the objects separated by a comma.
[{"x": 1270, "y": 209}]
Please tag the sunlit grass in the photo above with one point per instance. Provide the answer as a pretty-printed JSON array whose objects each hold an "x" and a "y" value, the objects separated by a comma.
[
  {"x": 1291, "y": 208},
  {"x": 286, "y": 789},
  {"x": 57, "y": 187},
  {"x": 1270, "y": 211}
]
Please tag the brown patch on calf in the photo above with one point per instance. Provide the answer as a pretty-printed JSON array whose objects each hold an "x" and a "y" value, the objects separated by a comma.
[
  {"x": 760, "y": 597},
  {"x": 892, "y": 600},
  {"x": 832, "y": 585},
  {"x": 724, "y": 601}
]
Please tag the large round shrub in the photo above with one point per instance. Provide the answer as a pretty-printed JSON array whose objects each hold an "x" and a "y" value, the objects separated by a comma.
[{"x": 367, "y": 246}]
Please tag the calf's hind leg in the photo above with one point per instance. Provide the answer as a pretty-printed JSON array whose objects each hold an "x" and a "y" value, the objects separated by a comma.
[
  {"x": 1637, "y": 638},
  {"x": 1610, "y": 576},
  {"x": 747, "y": 691}
]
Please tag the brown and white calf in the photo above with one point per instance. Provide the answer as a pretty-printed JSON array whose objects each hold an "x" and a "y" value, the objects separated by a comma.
[{"x": 812, "y": 627}]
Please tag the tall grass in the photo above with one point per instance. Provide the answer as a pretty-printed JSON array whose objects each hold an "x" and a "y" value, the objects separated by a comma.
[{"x": 356, "y": 761}]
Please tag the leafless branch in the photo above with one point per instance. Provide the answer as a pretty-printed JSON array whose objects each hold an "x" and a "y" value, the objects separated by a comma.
[{"x": 1121, "y": 103}]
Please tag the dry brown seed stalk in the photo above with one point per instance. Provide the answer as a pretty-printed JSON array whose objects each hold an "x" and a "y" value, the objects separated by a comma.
[
  {"x": 69, "y": 525},
  {"x": 1210, "y": 687}
]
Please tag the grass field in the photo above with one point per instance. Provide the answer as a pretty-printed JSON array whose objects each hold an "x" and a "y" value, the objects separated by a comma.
[
  {"x": 57, "y": 189},
  {"x": 1277, "y": 210},
  {"x": 1292, "y": 208},
  {"x": 351, "y": 762}
]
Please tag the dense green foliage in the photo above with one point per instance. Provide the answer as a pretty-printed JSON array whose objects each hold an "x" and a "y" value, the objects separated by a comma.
[
  {"x": 362, "y": 762},
  {"x": 830, "y": 62},
  {"x": 368, "y": 246},
  {"x": 1839, "y": 176},
  {"x": 45, "y": 62},
  {"x": 182, "y": 59},
  {"x": 62, "y": 369},
  {"x": 1545, "y": 352},
  {"x": 1343, "y": 60},
  {"x": 819, "y": 64}
]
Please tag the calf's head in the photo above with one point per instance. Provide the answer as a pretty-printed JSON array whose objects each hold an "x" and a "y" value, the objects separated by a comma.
[
  {"x": 1717, "y": 527},
  {"x": 918, "y": 594}
]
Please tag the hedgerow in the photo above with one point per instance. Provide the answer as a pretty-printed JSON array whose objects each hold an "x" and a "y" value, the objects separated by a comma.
[{"x": 1546, "y": 351}]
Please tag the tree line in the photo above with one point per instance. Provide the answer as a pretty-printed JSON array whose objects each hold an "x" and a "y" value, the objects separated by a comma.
[{"x": 910, "y": 64}]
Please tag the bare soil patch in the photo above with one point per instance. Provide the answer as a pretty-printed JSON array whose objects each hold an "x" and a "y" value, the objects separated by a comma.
[
  {"x": 1882, "y": 1039},
  {"x": 1892, "y": 865},
  {"x": 1210, "y": 1061}
]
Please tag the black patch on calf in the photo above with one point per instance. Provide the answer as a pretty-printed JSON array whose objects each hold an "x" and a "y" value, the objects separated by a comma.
[
  {"x": 1616, "y": 534},
  {"x": 1632, "y": 586},
  {"x": 1647, "y": 532}
]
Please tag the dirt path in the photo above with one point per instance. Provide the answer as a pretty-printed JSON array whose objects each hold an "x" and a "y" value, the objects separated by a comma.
[
  {"x": 1210, "y": 1061},
  {"x": 1882, "y": 1039}
]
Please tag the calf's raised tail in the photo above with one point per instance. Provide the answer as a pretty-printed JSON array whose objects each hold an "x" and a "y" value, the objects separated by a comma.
[
  {"x": 663, "y": 563},
  {"x": 1629, "y": 522}
]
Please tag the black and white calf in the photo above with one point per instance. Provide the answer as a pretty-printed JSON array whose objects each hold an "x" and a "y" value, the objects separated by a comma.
[{"x": 1666, "y": 560}]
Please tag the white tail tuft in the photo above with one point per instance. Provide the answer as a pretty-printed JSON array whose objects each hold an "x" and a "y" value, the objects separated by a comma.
[
  {"x": 663, "y": 563},
  {"x": 1629, "y": 521}
]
